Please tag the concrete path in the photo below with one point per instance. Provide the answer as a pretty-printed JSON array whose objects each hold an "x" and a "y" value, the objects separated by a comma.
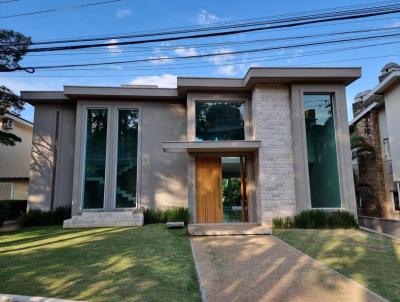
[{"x": 264, "y": 268}]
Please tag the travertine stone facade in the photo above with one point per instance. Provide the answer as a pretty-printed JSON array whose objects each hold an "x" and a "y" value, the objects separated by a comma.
[{"x": 272, "y": 126}]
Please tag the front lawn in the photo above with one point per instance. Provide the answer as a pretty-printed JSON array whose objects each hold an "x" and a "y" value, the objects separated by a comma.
[
  {"x": 370, "y": 259},
  {"x": 148, "y": 263}
]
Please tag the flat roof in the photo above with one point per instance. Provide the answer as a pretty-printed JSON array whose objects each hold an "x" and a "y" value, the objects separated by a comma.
[{"x": 255, "y": 75}]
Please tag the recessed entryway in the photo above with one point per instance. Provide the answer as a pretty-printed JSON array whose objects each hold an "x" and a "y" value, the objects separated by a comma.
[{"x": 221, "y": 190}]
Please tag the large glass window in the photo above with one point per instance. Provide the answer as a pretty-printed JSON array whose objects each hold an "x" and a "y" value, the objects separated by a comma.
[
  {"x": 128, "y": 121},
  {"x": 219, "y": 121},
  {"x": 321, "y": 150},
  {"x": 95, "y": 158}
]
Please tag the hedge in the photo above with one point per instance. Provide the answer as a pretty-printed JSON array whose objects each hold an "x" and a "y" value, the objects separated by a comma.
[
  {"x": 155, "y": 215},
  {"x": 317, "y": 219},
  {"x": 38, "y": 217}
]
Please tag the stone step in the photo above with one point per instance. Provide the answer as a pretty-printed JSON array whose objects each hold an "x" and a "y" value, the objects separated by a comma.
[
  {"x": 226, "y": 229},
  {"x": 105, "y": 219}
]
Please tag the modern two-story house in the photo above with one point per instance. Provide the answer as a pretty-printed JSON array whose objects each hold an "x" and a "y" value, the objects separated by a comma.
[{"x": 232, "y": 150}]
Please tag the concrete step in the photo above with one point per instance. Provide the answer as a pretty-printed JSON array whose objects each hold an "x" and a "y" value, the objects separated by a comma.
[
  {"x": 105, "y": 219},
  {"x": 226, "y": 229}
]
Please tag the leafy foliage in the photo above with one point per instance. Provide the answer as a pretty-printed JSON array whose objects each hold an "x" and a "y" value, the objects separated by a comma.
[
  {"x": 156, "y": 215},
  {"x": 38, "y": 217},
  {"x": 15, "y": 208},
  {"x": 4, "y": 210},
  {"x": 317, "y": 219},
  {"x": 360, "y": 148},
  {"x": 13, "y": 47}
]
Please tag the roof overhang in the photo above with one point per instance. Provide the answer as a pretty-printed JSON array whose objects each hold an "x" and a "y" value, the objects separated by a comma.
[
  {"x": 378, "y": 91},
  {"x": 211, "y": 146},
  {"x": 254, "y": 76},
  {"x": 88, "y": 92}
]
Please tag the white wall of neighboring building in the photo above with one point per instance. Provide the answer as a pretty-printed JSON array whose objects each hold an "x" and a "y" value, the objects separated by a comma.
[
  {"x": 392, "y": 105},
  {"x": 15, "y": 160}
]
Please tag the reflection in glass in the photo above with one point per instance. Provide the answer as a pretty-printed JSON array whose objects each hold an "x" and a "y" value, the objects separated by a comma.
[
  {"x": 233, "y": 198},
  {"x": 321, "y": 150},
  {"x": 219, "y": 121},
  {"x": 128, "y": 121},
  {"x": 95, "y": 158}
]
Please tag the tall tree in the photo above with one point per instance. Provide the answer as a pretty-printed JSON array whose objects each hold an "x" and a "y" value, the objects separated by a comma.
[{"x": 13, "y": 47}]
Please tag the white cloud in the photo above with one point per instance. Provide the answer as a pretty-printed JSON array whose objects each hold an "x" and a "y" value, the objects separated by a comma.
[
  {"x": 123, "y": 13},
  {"x": 205, "y": 17},
  {"x": 113, "y": 49},
  {"x": 227, "y": 70},
  {"x": 222, "y": 57},
  {"x": 186, "y": 52},
  {"x": 161, "y": 59},
  {"x": 166, "y": 80}
]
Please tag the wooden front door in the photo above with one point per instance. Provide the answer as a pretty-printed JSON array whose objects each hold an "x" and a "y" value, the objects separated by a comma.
[{"x": 209, "y": 190}]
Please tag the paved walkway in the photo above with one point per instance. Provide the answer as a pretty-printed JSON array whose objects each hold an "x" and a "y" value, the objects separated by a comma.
[{"x": 264, "y": 268}]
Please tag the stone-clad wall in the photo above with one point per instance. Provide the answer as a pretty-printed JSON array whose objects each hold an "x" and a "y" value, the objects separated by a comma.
[
  {"x": 371, "y": 169},
  {"x": 272, "y": 126}
]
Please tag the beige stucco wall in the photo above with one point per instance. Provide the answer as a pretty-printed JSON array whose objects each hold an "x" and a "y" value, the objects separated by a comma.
[
  {"x": 163, "y": 175},
  {"x": 42, "y": 163},
  {"x": 15, "y": 160}
]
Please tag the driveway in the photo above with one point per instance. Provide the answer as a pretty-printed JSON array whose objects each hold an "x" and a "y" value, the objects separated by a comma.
[{"x": 264, "y": 268}]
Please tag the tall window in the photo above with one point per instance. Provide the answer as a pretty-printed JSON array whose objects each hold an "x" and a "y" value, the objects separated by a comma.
[
  {"x": 128, "y": 121},
  {"x": 95, "y": 158},
  {"x": 219, "y": 121},
  {"x": 321, "y": 150}
]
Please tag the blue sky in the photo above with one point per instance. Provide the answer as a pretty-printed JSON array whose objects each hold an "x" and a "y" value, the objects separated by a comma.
[{"x": 132, "y": 16}]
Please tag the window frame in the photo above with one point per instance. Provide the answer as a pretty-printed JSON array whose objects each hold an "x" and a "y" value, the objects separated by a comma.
[
  {"x": 333, "y": 100},
  {"x": 80, "y": 149},
  {"x": 343, "y": 151},
  {"x": 116, "y": 110},
  {"x": 192, "y": 98},
  {"x": 83, "y": 158},
  {"x": 221, "y": 101}
]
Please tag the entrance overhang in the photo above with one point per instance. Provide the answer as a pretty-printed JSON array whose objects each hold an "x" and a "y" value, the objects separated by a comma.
[{"x": 211, "y": 146}]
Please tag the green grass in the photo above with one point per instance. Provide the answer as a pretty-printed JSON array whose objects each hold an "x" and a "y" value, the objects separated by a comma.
[
  {"x": 148, "y": 263},
  {"x": 370, "y": 259}
]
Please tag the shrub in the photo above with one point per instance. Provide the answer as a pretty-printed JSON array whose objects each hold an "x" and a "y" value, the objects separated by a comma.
[
  {"x": 156, "y": 215},
  {"x": 317, "y": 219},
  {"x": 4, "y": 210},
  {"x": 38, "y": 217},
  {"x": 342, "y": 219},
  {"x": 16, "y": 208},
  {"x": 282, "y": 222},
  {"x": 311, "y": 219}
]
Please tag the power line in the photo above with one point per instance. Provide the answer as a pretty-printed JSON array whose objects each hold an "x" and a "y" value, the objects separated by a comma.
[
  {"x": 131, "y": 75},
  {"x": 196, "y": 47},
  {"x": 133, "y": 48},
  {"x": 8, "y": 1},
  {"x": 216, "y": 34},
  {"x": 58, "y": 9},
  {"x": 230, "y": 61},
  {"x": 208, "y": 55},
  {"x": 224, "y": 25}
]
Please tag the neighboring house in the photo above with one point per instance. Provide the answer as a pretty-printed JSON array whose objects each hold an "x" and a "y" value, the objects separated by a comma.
[
  {"x": 232, "y": 150},
  {"x": 15, "y": 160},
  {"x": 377, "y": 118}
]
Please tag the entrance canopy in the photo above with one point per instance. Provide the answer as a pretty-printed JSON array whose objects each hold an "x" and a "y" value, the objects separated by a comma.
[{"x": 211, "y": 146}]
